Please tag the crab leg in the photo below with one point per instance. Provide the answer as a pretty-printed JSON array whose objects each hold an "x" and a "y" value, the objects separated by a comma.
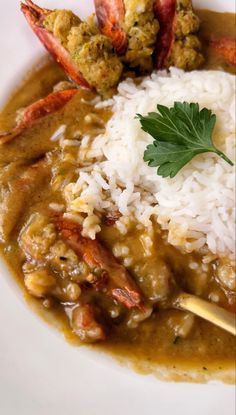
[
  {"x": 166, "y": 14},
  {"x": 35, "y": 16},
  {"x": 110, "y": 15},
  {"x": 39, "y": 109},
  {"x": 226, "y": 48},
  {"x": 121, "y": 285}
]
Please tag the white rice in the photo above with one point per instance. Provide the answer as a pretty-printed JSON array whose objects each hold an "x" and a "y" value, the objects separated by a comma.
[
  {"x": 197, "y": 207},
  {"x": 59, "y": 133}
]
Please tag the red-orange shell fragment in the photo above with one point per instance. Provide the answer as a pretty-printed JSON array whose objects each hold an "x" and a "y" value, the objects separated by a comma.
[
  {"x": 39, "y": 109},
  {"x": 120, "y": 285},
  {"x": 42, "y": 11},
  {"x": 110, "y": 15},
  {"x": 35, "y": 16},
  {"x": 165, "y": 12},
  {"x": 225, "y": 47}
]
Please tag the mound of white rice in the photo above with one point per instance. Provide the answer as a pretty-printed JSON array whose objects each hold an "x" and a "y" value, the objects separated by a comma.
[{"x": 197, "y": 206}]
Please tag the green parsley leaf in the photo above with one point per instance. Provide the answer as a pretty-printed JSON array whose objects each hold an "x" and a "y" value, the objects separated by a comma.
[{"x": 180, "y": 133}]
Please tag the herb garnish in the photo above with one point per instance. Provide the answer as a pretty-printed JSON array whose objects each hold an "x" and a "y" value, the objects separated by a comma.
[{"x": 180, "y": 133}]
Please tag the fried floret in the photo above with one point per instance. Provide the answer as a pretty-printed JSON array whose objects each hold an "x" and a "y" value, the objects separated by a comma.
[
  {"x": 186, "y": 51},
  {"x": 95, "y": 58},
  {"x": 186, "y": 54},
  {"x": 141, "y": 28},
  {"x": 92, "y": 52},
  {"x": 186, "y": 23},
  {"x": 60, "y": 22}
]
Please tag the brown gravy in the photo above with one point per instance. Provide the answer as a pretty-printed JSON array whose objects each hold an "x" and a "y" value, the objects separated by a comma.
[{"x": 207, "y": 349}]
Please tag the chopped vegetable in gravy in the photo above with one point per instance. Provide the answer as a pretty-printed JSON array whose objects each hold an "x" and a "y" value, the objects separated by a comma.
[{"x": 115, "y": 291}]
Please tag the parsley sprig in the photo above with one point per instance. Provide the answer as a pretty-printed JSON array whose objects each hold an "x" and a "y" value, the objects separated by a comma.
[{"x": 180, "y": 133}]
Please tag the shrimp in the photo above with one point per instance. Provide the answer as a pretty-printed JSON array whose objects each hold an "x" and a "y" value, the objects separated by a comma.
[
  {"x": 35, "y": 16},
  {"x": 39, "y": 109},
  {"x": 120, "y": 284},
  {"x": 86, "y": 55}
]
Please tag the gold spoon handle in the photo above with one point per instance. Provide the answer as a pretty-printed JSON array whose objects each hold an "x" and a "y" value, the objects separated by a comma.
[{"x": 208, "y": 311}]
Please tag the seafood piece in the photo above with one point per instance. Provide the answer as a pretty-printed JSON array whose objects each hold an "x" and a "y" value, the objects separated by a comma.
[
  {"x": 120, "y": 284},
  {"x": 23, "y": 185},
  {"x": 64, "y": 261},
  {"x": 86, "y": 56},
  {"x": 166, "y": 12},
  {"x": 111, "y": 15},
  {"x": 35, "y": 16},
  {"x": 226, "y": 48},
  {"x": 177, "y": 43},
  {"x": 39, "y": 109},
  {"x": 37, "y": 237},
  {"x": 133, "y": 28},
  {"x": 40, "y": 283},
  {"x": 84, "y": 324}
]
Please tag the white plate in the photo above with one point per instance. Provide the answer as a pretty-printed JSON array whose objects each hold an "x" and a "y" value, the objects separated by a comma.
[{"x": 40, "y": 374}]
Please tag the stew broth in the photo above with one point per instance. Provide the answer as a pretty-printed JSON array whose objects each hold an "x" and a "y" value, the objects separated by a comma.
[{"x": 158, "y": 340}]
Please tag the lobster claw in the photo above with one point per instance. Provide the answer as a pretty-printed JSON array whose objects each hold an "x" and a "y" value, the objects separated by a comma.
[
  {"x": 110, "y": 15},
  {"x": 35, "y": 16},
  {"x": 39, "y": 109}
]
